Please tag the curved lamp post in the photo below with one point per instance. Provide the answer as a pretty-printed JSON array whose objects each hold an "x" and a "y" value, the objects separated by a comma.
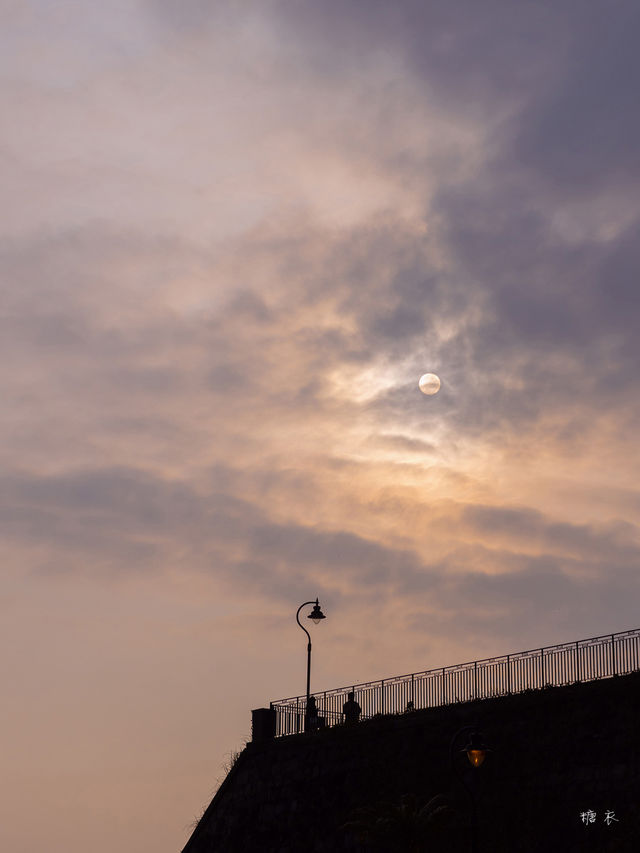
[
  {"x": 476, "y": 752},
  {"x": 316, "y": 616}
]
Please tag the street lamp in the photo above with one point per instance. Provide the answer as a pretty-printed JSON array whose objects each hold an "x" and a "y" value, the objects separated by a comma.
[
  {"x": 316, "y": 616},
  {"x": 475, "y": 749},
  {"x": 476, "y": 752}
]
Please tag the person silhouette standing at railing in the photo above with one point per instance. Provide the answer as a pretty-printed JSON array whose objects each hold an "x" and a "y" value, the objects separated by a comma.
[
  {"x": 351, "y": 710},
  {"x": 311, "y": 717}
]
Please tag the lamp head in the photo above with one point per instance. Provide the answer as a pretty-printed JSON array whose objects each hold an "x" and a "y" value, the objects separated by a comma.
[
  {"x": 476, "y": 749},
  {"x": 316, "y": 614}
]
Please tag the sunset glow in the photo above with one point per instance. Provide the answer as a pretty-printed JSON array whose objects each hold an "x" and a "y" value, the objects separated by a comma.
[{"x": 235, "y": 236}]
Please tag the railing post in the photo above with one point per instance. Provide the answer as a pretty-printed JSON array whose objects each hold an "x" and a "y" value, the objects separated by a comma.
[
  {"x": 509, "y": 674},
  {"x": 613, "y": 655},
  {"x": 475, "y": 679},
  {"x": 577, "y": 663},
  {"x": 382, "y": 696},
  {"x": 443, "y": 692},
  {"x": 412, "y": 688},
  {"x": 542, "y": 667}
]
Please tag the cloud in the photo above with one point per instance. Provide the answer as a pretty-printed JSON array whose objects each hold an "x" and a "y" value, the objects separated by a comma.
[
  {"x": 233, "y": 240},
  {"x": 529, "y": 529},
  {"x": 581, "y": 134}
]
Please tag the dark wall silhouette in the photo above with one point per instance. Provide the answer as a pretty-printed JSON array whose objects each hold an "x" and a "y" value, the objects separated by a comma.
[{"x": 386, "y": 784}]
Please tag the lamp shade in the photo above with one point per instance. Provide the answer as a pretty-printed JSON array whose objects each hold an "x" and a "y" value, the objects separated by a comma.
[{"x": 316, "y": 614}]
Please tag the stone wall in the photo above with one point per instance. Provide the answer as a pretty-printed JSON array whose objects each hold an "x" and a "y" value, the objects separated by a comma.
[{"x": 556, "y": 754}]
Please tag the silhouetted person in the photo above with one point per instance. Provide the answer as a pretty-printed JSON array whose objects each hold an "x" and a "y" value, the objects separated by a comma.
[
  {"x": 351, "y": 710},
  {"x": 311, "y": 717},
  {"x": 409, "y": 706}
]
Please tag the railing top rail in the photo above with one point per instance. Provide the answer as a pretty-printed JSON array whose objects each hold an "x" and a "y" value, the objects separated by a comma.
[{"x": 336, "y": 691}]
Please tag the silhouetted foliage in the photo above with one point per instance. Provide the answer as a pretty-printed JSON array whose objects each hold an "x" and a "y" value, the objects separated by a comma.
[{"x": 410, "y": 825}]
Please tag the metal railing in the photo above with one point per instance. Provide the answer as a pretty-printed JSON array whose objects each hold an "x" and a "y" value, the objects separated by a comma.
[{"x": 550, "y": 666}]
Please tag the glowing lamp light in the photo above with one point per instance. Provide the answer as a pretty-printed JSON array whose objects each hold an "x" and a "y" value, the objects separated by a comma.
[
  {"x": 476, "y": 756},
  {"x": 476, "y": 749}
]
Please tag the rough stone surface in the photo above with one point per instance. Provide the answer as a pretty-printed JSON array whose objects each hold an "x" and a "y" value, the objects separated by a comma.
[{"x": 556, "y": 753}]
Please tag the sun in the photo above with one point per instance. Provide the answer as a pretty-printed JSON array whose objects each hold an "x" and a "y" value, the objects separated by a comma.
[{"x": 429, "y": 384}]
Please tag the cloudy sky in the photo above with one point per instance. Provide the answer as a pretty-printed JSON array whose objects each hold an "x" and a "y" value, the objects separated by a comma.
[{"x": 234, "y": 235}]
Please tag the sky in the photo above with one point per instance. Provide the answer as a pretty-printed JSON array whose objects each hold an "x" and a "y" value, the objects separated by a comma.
[{"x": 234, "y": 236}]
